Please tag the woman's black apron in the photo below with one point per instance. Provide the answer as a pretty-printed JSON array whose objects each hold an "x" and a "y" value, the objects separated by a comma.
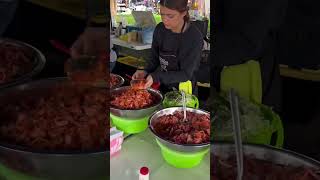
[{"x": 169, "y": 61}]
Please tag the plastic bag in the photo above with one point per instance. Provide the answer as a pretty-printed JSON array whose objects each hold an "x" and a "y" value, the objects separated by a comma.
[{"x": 147, "y": 35}]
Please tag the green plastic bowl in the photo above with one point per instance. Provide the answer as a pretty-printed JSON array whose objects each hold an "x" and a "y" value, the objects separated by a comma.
[
  {"x": 130, "y": 126},
  {"x": 181, "y": 159},
  {"x": 8, "y": 173}
]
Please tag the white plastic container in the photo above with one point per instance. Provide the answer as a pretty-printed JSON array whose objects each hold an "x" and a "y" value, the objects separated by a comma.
[{"x": 116, "y": 139}]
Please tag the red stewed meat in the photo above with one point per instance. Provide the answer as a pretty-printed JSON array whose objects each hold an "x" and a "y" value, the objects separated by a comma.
[
  {"x": 255, "y": 169},
  {"x": 65, "y": 118},
  {"x": 196, "y": 130},
  {"x": 14, "y": 62},
  {"x": 133, "y": 99}
]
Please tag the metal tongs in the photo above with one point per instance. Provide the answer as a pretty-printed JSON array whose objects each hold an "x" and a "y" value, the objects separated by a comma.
[
  {"x": 234, "y": 104},
  {"x": 184, "y": 106}
]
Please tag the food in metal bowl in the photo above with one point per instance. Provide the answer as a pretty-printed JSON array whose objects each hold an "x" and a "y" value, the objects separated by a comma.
[
  {"x": 114, "y": 80},
  {"x": 67, "y": 117},
  {"x": 138, "y": 83},
  {"x": 196, "y": 130},
  {"x": 14, "y": 62},
  {"x": 255, "y": 169},
  {"x": 132, "y": 99}
]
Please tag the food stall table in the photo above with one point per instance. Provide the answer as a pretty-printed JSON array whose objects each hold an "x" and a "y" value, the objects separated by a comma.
[
  {"x": 142, "y": 150},
  {"x": 132, "y": 45}
]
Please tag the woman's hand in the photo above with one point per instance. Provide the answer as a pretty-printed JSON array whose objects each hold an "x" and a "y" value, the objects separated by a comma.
[
  {"x": 139, "y": 74},
  {"x": 149, "y": 81},
  {"x": 92, "y": 42}
]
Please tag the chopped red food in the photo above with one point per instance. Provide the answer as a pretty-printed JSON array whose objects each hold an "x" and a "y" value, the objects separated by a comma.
[
  {"x": 14, "y": 62},
  {"x": 133, "y": 99},
  {"x": 196, "y": 130},
  {"x": 113, "y": 80},
  {"x": 66, "y": 118},
  {"x": 225, "y": 169}
]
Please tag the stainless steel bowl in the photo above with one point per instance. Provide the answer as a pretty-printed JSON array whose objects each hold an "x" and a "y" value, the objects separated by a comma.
[
  {"x": 38, "y": 61},
  {"x": 49, "y": 164},
  {"x": 172, "y": 145},
  {"x": 138, "y": 113},
  {"x": 119, "y": 78},
  {"x": 268, "y": 153}
]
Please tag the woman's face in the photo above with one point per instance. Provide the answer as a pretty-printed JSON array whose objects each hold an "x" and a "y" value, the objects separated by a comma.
[{"x": 171, "y": 18}]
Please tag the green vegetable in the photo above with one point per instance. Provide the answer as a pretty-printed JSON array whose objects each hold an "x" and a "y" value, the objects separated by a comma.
[{"x": 174, "y": 99}]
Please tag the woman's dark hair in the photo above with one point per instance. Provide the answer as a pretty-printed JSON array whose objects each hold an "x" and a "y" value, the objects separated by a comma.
[{"x": 178, "y": 5}]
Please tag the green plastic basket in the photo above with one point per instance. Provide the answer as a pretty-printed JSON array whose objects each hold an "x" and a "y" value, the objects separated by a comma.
[
  {"x": 181, "y": 159},
  {"x": 264, "y": 136},
  {"x": 129, "y": 126}
]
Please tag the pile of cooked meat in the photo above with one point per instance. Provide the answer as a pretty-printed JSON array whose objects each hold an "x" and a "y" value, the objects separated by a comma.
[
  {"x": 254, "y": 169},
  {"x": 66, "y": 117},
  {"x": 196, "y": 130},
  {"x": 14, "y": 62},
  {"x": 132, "y": 99}
]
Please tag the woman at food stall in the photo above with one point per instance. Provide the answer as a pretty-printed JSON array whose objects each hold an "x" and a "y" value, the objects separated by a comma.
[{"x": 176, "y": 48}]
